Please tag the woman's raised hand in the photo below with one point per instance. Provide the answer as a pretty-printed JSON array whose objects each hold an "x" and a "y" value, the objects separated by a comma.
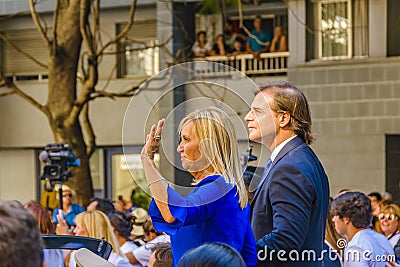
[{"x": 153, "y": 141}]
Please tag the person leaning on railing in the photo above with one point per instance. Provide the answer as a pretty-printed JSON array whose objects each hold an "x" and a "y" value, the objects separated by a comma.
[
  {"x": 259, "y": 39},
  {"x": 220, "y": 48},
  {"x": 201, "y": 48},
  {"x": 279, "y": 42}
]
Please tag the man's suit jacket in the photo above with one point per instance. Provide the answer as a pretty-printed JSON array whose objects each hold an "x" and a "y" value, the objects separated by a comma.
[{"x": 289, "y": 208}]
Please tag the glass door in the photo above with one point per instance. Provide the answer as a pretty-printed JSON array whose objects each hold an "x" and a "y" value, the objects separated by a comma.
[{"x": 124, "y": 172}]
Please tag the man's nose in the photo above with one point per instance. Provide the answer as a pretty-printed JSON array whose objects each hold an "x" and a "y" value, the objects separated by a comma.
[{"x": 248, "y": 116}]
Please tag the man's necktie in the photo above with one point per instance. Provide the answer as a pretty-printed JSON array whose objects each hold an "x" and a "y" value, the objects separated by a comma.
[{"x": 257, "y": 180}]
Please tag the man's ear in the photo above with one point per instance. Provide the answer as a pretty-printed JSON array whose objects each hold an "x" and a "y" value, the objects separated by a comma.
[
  {"x": 346, "y": 220},
  {"x": 284, "y": 119}
]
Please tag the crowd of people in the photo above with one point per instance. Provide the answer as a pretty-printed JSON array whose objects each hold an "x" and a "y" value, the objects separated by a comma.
[
  {"x": 289, "y": 221},
  {"x": 230, "y": 43}
]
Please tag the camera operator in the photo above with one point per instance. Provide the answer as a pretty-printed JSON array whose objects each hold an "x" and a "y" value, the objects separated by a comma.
[{"x": 70, "y": 209}]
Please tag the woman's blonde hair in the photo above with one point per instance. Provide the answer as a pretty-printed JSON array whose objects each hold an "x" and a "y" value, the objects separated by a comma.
[
  {"x": 219, "y": 144},
  {"x": 97, "y": 225},
  {"x": 331, "y": 236},
  {"x": 393, "y": 209}
]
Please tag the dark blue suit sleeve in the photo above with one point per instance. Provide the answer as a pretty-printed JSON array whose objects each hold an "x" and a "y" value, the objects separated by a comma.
[{"x": 292, "y": 196}]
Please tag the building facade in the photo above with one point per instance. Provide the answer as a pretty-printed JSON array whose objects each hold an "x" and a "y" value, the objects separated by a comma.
[{"x": 343, "y": 54}]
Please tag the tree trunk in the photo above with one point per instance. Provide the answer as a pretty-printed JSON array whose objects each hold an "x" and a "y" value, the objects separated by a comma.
[
  {"x": 81, "y": 180},
  {"x": 63, "y": 64}
]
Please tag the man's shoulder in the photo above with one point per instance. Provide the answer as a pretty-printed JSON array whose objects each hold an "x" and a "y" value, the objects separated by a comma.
[
  {"x": 366, "y": 239},
  {"x": 297, "y": 155},
  {"x": 77, "y": 207},
  {"x": 296, "y": 149}
]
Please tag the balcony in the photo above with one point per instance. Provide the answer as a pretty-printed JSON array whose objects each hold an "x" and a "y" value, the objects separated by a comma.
[{"x": 266, "y": 64}]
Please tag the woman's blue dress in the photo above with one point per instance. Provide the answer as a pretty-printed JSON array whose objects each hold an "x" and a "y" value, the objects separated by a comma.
[{"x": 210, "y": 213}]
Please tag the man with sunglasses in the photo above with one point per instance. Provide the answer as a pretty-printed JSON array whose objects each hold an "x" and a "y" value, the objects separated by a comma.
[
  {"x": 352, "y": 215},
  {"x": 70, "y": 209}
]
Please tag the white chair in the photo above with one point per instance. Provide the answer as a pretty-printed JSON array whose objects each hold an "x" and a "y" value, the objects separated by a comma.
[{"x": 86, "y": 258}]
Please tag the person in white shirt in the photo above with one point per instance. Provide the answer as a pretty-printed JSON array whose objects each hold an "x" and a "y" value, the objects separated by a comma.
[
  {"x": 201, "y": 48},
  {"x": 352, "y": 215},
  {"x": 153, "y": 237},
  {"x": 122, "y": 227}
]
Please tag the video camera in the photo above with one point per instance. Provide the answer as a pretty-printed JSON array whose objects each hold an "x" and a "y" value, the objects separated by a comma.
[{"x": 58, "y": 159}]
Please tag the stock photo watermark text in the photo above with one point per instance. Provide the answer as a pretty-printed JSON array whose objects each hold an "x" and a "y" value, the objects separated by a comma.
[{"x": 347, "y": 255}]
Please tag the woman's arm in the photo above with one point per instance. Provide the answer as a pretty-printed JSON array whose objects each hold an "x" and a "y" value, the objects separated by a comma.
[
  {"x": 283, "y": 46},
  {"x": 132, "y": 259},
  {"x": 272, "y": 48},
  {"x": 157, "y": 184}
]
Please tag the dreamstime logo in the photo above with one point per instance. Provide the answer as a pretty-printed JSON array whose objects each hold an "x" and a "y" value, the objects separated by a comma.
[
  {"x": 347, "y": 255},
  {"x": 307, "y": 255},
  {"x": 341, "y": 243}
]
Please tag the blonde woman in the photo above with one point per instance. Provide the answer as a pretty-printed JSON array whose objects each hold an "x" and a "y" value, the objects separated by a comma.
[
  {"x": 389, "y": 223},
  {"x": 96, "y": 224},
  {"x": 217, "y": 209}
]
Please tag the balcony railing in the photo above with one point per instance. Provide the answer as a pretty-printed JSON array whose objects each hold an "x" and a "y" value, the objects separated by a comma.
[{"x": 267, "y": 63}]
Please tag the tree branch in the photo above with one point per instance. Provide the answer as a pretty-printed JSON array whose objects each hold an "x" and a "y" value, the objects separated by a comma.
[
  {"x": 27, "y": 97},
  {"x": 35, "y": 19},
  {"x": 84, "y": 73},
  {"x": 7, "y": 93},
  {"x": 297, "y": 18},
  {"x": 80, "y": 102},
  {"x": 90, "y": 76},
  {"x": 126, "y": 93},
  {"x": 84, "y": 24},
  {"x": 124, "y": 31},
  {"x": 167, "y": 52},
  {"x": 110, "y": 77},
  {"x": 141, "y": 48},
  {"x": 103, "y": 93},
  {"x": 133, "y": 91},
  {"x": 5, "y": 39},
  {"x": 55, "y": 25},
  {"x": 91, "y": 142},
  {"x": 11, "y": 16},
  {"x": 96, "y": 25}
]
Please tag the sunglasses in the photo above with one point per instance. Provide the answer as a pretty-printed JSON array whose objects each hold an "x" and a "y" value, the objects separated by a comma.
[
  {"x": 389, "y": 217},
  {"x": 67, "y": 195}
]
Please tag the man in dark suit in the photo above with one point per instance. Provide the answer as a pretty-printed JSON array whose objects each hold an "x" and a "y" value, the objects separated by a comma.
[{"x": 290, "y": 203}]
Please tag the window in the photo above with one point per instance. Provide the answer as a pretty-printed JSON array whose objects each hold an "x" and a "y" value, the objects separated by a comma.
[
  {"x": 138, "y": 55},
  {"x": 339, "y": 29},
  {"x": 16, "y": 63},
  {"x": 335, "y": 30},
  {"x": 141, "y": 58},
  {"x": 393, "y": 25},
  {"x": 392, "y": 165}
]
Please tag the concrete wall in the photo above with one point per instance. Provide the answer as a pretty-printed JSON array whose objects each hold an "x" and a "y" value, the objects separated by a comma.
[
  {"x": 353, "y": 106},
  {"x": 17, "y": 175}
]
